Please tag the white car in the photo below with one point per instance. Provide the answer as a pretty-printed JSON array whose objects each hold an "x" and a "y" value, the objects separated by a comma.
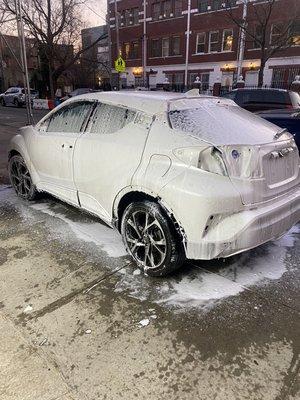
[
  {"x": 180, "y": 176},
  {"x": 16, "y": 96}
]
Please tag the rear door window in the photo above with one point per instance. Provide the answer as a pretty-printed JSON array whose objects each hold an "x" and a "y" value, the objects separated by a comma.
[
  {"x": 274, "y": 97},
  {"x": 68, "y": 119},
  {"x": 108, "y": 118}
]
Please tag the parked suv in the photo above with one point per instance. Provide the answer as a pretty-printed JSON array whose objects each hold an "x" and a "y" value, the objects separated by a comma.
[
  {"x": 180, "y": 176},
  {"x": 264, "y": 99},
  {"x": 16, "y": 96}
]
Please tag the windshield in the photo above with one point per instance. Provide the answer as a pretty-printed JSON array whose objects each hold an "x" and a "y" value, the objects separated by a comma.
[{"x": 224, "y": 124}]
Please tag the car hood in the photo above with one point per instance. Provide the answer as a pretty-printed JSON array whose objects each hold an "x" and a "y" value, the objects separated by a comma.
[{"x": 224, "y": 124}]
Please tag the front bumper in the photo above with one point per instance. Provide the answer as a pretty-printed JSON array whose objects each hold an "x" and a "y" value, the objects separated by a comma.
[{"x": 247, "y": 229}]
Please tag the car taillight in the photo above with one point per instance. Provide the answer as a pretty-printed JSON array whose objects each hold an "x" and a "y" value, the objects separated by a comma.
[{"x": 208, "y": 159}]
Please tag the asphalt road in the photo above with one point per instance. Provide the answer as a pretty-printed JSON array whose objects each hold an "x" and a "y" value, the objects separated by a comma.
[{"x": 78, "y": 321}]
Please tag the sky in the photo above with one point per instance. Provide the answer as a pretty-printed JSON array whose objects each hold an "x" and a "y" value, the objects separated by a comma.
[{"x": 94, "y": 12}]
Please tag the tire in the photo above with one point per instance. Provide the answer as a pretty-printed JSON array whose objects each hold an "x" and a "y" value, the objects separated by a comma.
[
  {"x": 3, "y": 104},
  {"x": 20, "y": 178},
  {"x": 157, "y": 250},
  {"x": 17, "y": 103}
]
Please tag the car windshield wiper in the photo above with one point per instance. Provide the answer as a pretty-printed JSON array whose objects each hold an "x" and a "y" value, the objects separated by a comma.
[{"x": 280, "y": 133}]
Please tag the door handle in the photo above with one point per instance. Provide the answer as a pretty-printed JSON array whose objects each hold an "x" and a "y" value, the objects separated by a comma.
[{"x": 63, "y": 145}]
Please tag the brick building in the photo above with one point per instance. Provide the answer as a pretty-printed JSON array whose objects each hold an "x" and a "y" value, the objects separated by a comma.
[
  {"x": 10, "y": 72},
  {"x": 214, "y": 42}
]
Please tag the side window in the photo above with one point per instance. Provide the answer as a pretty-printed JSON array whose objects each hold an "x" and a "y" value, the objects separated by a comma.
[
  {"x": 109, "y": 119},
  {"x": 69, "y": 118}
]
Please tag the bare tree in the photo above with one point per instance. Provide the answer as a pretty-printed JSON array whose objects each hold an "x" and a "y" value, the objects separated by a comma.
[
  {"x": 262, "y": 33},
  {"x": 56, "y": 25}
]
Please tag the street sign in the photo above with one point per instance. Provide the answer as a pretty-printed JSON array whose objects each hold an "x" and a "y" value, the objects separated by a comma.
[{"x": 120, "y": 64}]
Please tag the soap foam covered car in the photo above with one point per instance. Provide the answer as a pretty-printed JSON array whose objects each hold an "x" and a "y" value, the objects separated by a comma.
[{"x": 180, "y": 176}]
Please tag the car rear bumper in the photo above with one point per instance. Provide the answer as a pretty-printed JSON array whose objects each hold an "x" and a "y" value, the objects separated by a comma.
[{"x": 247, "y": 229}]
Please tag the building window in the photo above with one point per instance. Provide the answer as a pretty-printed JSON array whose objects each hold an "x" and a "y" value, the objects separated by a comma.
[
  {"x": 213, "y": 42},
  {"x": 295, "y": 33},
  {"x": 202, "y": 6},
  {"x": 200, "y": 45},
  {"x": 155, "y": 11},
  {"x": 126, "y": 50},
  {"x": 177, "y": 8},
  {"x": 131, "y": 50},
  {"x": 167, "y": 9},
  {"x": 135, "y": 16},
  {"x": 134, "y": 50},
  {"x": 203, "y": 80},
  {"x": 227, "y": 40},
  {"x": 217, "y": 5},
  {"x": 155, "y": 48},
  {"x": 277, "y": 32},
  {"x": 130, "y": 17},
  {"x": 165, "y": 47},
  {"x": 255, "y": 41},
  {"x": 175, "y": 46}
]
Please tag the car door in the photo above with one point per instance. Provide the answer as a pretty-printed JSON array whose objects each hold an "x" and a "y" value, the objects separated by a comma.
[
  {"x": 53, "y": 148},
  {"x": 107, "y": 155},
  {"x": 8, "y": 96}
]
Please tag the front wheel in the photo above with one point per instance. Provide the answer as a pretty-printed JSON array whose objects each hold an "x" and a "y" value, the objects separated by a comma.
[
  {"x": 150, "y": 238},
  {"x": 3, "y": 104},
  {"x": 20, "y": 178}
]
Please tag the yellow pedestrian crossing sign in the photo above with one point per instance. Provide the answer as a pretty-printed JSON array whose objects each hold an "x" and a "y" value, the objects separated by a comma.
[{"x": 120, "y": 64}]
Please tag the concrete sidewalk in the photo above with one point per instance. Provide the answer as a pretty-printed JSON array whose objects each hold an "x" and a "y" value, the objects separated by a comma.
[{"x": 79, "y": 322}]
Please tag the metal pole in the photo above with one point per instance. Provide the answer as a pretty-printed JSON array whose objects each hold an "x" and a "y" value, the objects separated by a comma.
[
  {"x": 187, "y": 47},
  {"x": 109, "y": 45},
  {"x": 145, "y": 46},
  {"x": 242, "y": 40},
  {"x": 118, "y": 39},
  {"x": 20, "y": 25}
]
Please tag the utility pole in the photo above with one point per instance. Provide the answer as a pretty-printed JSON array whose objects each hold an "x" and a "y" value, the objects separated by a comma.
[
  {"x": 242, "y": 40},
  {"x": 118, "y": 40},
  {"x": 21, "y": 34},
  {"x": 187, "y": 46},
  {"x": 2, "y": 83},
  {"x": 145, "y": 45}
]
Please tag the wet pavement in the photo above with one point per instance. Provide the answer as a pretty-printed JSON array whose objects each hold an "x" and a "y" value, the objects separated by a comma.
[{"x": 79, "y": 321}]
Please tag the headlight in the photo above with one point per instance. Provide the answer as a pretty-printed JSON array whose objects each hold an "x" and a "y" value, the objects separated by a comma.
[{"x": 208, "y": 159}]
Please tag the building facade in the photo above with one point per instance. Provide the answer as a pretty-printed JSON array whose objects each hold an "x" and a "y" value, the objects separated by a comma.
[
  {"x": 10, "y": 71},
  {"x": 161, "y": 44},
  {"x": 95, "y": 60}
]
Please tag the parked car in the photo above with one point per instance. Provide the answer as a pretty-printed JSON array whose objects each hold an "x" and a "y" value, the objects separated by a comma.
[
  {"x": 180, "y": 177},
  {"x": 16, "y": 96},
  {"x": 264, "y": 99},
  {"x": 289, "y": 119},
  {"x": 76, "y": 92}
]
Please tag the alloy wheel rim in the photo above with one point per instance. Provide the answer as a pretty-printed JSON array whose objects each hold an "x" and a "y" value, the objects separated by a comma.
[
  {"x": 145, "y": 239},
  {"x": 20, "y": 178}
]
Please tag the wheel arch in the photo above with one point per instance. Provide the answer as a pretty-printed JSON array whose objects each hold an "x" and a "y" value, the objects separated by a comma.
[{"x": 137, "y": 194}]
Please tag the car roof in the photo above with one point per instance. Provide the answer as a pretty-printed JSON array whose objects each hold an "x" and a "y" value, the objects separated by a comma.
[
  {"x": 149, "y": 102},
  {"x": 262, "y": 88}
]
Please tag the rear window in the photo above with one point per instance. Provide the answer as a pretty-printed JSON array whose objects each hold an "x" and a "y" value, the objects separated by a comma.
[
  {"x": 222, "y": 124},
  {"x": 276, "y": 97}
]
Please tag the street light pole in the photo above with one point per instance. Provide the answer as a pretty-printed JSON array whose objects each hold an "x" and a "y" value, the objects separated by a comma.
[
  {"x": 118, "y": 40},
  {"x": 242, "y": 40},
  {"x": 145, "y": 45},
  {"x": 19, "y": 16},
  {"x": 187, "y": 46}
]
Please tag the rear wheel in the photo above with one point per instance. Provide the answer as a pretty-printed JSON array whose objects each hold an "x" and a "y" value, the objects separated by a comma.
[
  {"x": 151, "y": 239},
  {"x": 20, "y": 178},
  {"x": 17, "y": 103}
]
